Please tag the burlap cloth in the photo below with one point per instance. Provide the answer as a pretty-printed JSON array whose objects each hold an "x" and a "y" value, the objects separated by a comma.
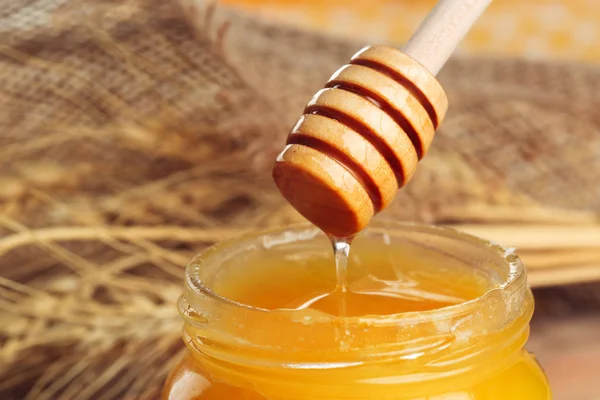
[{"x": 131, "y": 140}]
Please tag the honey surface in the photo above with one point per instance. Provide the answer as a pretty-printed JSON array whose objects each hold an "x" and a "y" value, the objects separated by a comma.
[{"x": 384, "y": 281}]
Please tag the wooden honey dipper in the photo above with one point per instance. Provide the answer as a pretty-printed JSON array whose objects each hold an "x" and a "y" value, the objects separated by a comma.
[{"x": 361, "y": 137}]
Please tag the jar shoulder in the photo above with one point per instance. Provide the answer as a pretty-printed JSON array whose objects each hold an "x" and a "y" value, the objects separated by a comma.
[
  {"x": 187, "y": 381},
  {"x": 524, "y": 380}
]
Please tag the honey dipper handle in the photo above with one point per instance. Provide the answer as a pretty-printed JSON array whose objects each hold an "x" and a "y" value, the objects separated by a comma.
[{"x": 442, "y": 30}]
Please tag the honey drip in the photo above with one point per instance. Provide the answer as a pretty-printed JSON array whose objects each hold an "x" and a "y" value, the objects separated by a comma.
[{"x": 341, "y": 252}]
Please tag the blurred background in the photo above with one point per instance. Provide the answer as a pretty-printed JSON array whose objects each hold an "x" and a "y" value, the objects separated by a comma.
[
  {"x": 135, "y": 133},
  {"x": 531, "y": 28}
]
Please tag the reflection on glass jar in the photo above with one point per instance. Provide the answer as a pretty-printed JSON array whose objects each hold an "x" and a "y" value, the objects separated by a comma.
[{"x": 430, "y": 313}]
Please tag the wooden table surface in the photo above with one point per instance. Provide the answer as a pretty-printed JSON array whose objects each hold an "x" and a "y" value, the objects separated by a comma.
[{"x": 568, "y": 348}]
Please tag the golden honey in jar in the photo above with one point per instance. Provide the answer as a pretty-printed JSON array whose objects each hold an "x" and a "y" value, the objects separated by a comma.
[{"x": 428, "y": 314}]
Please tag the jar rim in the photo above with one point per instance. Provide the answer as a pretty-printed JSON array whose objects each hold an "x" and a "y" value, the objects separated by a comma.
[{"x": 515, "y": 278}]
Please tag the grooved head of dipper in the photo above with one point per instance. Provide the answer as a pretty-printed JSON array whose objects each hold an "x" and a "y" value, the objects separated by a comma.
[
  {"x": 322, "y": 191},
  {"x": 360, "y": 139}
]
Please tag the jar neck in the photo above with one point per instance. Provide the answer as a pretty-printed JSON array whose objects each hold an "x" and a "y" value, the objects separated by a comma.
[
  {"x": 419, "y": 350},
  {"x": 281, "y": 348}
]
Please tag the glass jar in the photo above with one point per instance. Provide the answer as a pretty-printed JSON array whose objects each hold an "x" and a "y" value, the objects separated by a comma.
[{"x": 469, "y": 351}]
